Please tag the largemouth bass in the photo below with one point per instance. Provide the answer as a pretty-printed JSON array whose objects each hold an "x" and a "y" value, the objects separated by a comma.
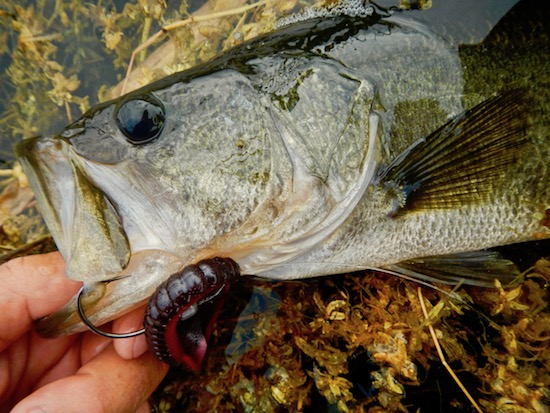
[{"x": 348, "y": 139}]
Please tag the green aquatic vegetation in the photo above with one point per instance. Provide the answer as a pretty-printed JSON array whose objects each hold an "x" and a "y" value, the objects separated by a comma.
[{"x": 360, "y": 343}]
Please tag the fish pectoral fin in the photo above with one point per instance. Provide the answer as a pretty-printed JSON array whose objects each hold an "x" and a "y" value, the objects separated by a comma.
[
  {"x": 465, "y": 160},
  {"x": 479, "y": 268}
]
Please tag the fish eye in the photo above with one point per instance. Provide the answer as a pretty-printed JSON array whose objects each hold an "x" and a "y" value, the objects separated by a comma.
[{"x": 141, "y": 120}]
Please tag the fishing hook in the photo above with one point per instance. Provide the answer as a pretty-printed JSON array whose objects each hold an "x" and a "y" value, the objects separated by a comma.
[{"x": 92, "y": 327}]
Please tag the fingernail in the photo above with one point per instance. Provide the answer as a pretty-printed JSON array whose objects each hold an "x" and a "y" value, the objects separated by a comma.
[
  {"x": 140, "y": 346},
  {"x": 100, "y": 347},
  {"x": 131, "y": 348}
]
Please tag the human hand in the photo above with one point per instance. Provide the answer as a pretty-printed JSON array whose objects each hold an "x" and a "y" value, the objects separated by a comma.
[{"x": 82, "y": 372}]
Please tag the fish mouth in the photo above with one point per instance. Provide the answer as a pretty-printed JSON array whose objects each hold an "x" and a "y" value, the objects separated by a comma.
[
  {"x": 84, "y": 225},
  {"x": 105, "y": 301},
  {"x": 89, "y": 234}
]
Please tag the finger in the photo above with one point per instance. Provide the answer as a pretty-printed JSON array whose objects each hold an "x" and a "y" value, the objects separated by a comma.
[
  {"x": 41, "y": 280},
  {"x": 26, "y": 362},
  {"x": 107, "y": 384},
  {"x": 131, "y": 347},
  {"x": 144, "y": 408},
  {"x": 73, "y": 358},
  {"x": 31, "y": 287},
  {"x": 65, "y": 355},
  {"x": 92, "y": 345}
]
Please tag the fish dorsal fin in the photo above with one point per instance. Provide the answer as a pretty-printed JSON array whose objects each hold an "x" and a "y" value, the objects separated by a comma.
[
  {"x": 464, "y": 161},
  {"x": 479, "y": 268}
]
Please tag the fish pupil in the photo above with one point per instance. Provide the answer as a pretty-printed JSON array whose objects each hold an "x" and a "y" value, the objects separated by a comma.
[{"x": 141, "y": 120}]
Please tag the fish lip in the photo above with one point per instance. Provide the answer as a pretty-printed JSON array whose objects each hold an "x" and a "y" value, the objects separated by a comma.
[
  {"x": 37, "y": 169},
  {"x": 59, "y": 185}
]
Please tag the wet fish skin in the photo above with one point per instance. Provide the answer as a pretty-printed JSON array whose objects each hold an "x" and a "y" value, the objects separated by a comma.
[{"x": 280, "y": 155}]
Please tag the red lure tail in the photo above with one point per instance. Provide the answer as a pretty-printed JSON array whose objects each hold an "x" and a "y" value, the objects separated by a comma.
[{"x": 183, "y": 310}]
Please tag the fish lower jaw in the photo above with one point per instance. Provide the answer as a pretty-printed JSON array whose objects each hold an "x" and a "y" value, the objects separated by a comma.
[{"x": 112, "y": 299}]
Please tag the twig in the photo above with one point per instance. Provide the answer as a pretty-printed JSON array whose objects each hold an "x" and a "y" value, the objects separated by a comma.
[
  {"x": 442, "y": 357},
  {"x": 68, "y": 110}
]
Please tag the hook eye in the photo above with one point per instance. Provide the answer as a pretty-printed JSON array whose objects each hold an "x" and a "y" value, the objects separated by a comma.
[{"x": 92, "y": 327}]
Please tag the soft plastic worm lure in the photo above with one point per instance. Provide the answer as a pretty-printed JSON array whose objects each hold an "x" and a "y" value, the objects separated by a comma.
[{"x": 183, "y": 310}]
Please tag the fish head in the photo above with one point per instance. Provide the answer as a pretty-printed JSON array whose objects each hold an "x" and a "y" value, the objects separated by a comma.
[
  {"x": 139, "y": 185},
  {"x": 258, "y": 158}
]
